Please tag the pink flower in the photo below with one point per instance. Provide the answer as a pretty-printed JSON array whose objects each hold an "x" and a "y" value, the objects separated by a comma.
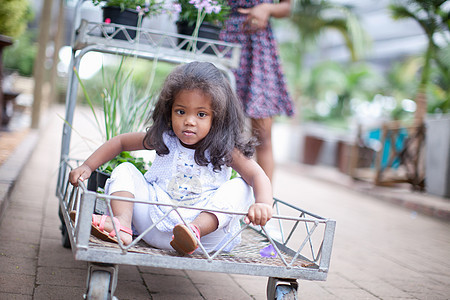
[{"x": 107, "y": 20}]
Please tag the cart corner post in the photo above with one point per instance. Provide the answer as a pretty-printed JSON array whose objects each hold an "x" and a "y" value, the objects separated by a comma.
[
  {"x": 327, "y": 245},
  {"x": 83, "y": 230}
]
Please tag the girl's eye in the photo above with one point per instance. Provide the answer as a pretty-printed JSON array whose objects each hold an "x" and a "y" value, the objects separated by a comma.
[
  {"x": 201, "y": 114},
  {"x": 179, "y": 112}
]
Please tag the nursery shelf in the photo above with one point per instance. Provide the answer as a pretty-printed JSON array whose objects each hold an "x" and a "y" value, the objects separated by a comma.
[{"x": 154, "y": 44}]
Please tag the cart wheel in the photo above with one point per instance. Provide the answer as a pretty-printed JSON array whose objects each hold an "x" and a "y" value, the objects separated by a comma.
[
  {"x": 65, "y": 240},
  {"x": 282, "y": 289},
  {"x": 99, "y": 286}
]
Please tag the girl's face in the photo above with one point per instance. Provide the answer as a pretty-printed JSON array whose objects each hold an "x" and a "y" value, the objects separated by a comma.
[{"x": 192, "y": 116}]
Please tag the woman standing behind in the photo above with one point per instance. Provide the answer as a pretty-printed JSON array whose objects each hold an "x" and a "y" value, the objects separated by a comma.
[{"x": 259, "y": 80}]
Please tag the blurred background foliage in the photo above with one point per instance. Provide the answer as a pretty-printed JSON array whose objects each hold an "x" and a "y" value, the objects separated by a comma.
[
  {"x": 331, "y": 92},
  {"x": 20, "y": 56},
  {"x": 336, "y": 93},
  {"x": 14, "y": 17},
  {"x": 140, "y": 71}
]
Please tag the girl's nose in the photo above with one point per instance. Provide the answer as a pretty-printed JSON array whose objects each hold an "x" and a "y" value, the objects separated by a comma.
[{"x": 190, "y": 120}]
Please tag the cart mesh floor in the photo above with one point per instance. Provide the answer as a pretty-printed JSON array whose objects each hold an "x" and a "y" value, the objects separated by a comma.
[{"x": 247, "y": 252}]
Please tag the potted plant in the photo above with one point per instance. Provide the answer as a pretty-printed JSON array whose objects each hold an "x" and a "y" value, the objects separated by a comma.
[
  {"x": 201, "y": 18},
  {"x": 127, "y": 12},
  {"x": 124, "y": 110}
]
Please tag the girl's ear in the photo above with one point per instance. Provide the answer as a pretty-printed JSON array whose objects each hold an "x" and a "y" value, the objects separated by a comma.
[{"x": 169, "y": 124}]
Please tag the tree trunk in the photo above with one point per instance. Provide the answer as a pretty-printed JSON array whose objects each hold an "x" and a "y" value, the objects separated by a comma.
[
  {"x": 421, "y": 105},
  {"x": 39, "y": 65},
  {"x": 4, "y": 42},
  {"x": 421, "y": 97},
  {"x": 59, "y": 37}
]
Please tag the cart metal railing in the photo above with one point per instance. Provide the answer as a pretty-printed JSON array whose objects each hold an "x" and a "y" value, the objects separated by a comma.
[
  {"x": 302, "y": 240},
  {"x": 148, "y": 44}
]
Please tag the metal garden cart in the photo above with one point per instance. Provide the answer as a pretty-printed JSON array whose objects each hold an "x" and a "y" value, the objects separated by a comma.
[{"x": 299, "y": 242}]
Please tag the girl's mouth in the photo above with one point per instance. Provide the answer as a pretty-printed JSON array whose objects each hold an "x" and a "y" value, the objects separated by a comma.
[{"x": 188, "y": 132}]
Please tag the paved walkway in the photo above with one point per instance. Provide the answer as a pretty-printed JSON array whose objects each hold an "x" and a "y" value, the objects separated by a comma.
[{"x": 381, "y": 250}]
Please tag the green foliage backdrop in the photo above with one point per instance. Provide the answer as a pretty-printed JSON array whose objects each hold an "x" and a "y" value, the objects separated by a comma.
[{"x": 14, "y": 16}]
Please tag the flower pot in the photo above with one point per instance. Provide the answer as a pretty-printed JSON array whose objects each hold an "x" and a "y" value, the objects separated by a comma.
[
  {"x": 206, "y": 31},
  {"x": 312, "y": 148},
  {"x": 96, "y": 183},
  {"x": 97, "y": 180},
  {"x": 437, "y": 143},
  {"x": 126, "y": 17}
]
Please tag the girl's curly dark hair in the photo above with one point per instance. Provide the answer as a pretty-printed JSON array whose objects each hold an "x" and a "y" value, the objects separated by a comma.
[{"x": 228, "y": 125}]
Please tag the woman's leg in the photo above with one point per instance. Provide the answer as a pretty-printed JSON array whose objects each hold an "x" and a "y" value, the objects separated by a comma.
[{"x": 262, "y": 129}]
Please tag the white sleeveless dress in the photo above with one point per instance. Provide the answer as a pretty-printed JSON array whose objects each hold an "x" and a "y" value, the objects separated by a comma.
[{"x": 175, "y": 179}]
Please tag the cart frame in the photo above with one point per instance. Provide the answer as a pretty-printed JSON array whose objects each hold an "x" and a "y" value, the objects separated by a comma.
[{"x": 318, "y": 232}]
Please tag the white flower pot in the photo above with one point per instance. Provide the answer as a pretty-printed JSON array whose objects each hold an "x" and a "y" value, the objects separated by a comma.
[{"x": 437, "y": 142}]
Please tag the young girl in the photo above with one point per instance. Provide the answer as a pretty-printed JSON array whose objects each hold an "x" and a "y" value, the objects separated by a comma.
[{"x": 198, "y": 135}]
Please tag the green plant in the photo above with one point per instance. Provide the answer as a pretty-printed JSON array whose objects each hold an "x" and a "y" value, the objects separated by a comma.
[
  {"x": 124, "y": 110},
  {"x": 139, "y": 77},
  {"x": 311, "y": 19},
  {"x": 14, "y": 16},
  {"x": 332, "y": 90},
  {"x": 147, "y": 8},
  {"x": 433, "y": 16},
  {"x": 21, "y": 55},
  {"x": 196, "y": 11},
  {"x": 125, "y": 156}
]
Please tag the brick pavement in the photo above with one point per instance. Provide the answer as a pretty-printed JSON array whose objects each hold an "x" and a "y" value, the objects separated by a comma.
[{"x": 381, "y": 250}]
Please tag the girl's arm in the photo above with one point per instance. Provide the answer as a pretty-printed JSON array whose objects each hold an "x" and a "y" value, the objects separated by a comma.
[
  {"x": 258, "y": 16},
  {"x": 123, "y": 142},
  {"x": 261, "y": 211}
]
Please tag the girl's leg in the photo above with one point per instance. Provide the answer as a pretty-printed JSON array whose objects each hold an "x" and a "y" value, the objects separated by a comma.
[
  {"x": 122, "y": 211},
  {"x": 122, "y": 184},
  {"x": 184, "y": 241},
  {"x": 262, "y": 129},
  {"x": 206, "y": 223},
  {"x": 234, "y": 195}
]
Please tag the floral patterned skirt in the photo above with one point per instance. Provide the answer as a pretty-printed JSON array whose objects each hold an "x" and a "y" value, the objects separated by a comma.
[{"x": 259, "y": 80}]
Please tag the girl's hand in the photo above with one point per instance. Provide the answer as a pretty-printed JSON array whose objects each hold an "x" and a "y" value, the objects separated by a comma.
[
  {"x": 257, "y": 17},
  {"x": 259, "y": 214},
  {"x": 82, "y": 173}
]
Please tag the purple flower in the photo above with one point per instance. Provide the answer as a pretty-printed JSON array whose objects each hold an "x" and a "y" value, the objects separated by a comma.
[
  {"x": 216, "y": 9},
  {"x": 268, "y": 251},
  {"x": 177, "y": 8}
]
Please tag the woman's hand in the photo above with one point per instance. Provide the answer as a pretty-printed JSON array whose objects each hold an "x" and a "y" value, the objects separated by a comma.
[
  {"x": 259, "y": 214},
  {"x": 82, "y": 173},
  {"x": 257, "y": 17}
]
